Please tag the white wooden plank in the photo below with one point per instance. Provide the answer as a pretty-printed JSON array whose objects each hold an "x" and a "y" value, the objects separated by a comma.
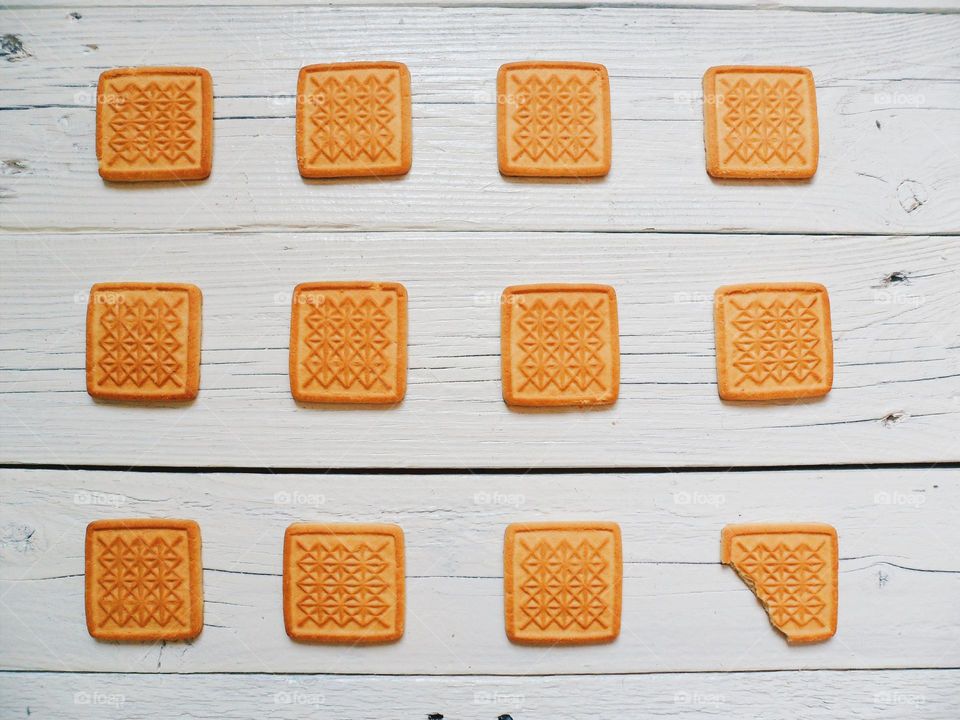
[
  {"x": 827, "y": 6},
  {"x": 896, "y": 396},
  {"x": 889, "y": 107},
  {"x": 826, "y": 695},
  {"x": 682, "y": 611}
]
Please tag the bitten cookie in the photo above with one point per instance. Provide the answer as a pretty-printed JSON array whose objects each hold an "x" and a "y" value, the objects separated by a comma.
[
  {"x": 553, "y": 119},
  {"x": 773, "y": 340},
  {"x": 143, "y": 341},
  {"x": 562, "y": 582},
  {"x": 155, "y": 123},
  {"x": 792, "y": 569},
  {"x": 354, "y": 119},
  {"x": 144, "y": 580},
  {"x": 343, "y": 583},
  {"x": 560, "y": 345},
  {"x": 760, "y": 122},
  {"x": 348, "y": 342}
]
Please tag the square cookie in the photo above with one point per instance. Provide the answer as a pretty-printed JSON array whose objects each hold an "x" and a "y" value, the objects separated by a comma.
[
  {"x": 348, "y": 342},
  {"x": 143, "y": 341},
  {"x": 760, "y": 122},
  {"x": 144, "y": 580},
  {"x": 553, "y": 119},
  {"x": 155, "y": 123},
  {"x": 773, "y": 341},
  {"x": 792, "y": 569},
  {"x": 562, "y": 582},
  {"x": 353, "y": 119},
  {"x": 560, "y": 345},
  {"x": 343, "y": 583}
]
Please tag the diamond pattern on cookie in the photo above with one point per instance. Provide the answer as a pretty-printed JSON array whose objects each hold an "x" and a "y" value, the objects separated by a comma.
[
  {"x": 760, "y": 122},
  {"x": 348, "y": 342},
  {"x": 553, "y": 119},
  {"x": 343, "y": 583},
  {"x": 773, "y": 341},
  {"x": 562, "y": 582},
  {"x": 143, "y": 341},
  {"x": 560, "y": 345},
  {"x": 155, "y": 124},
  {"x": 143, "y": 580},
  {"x": 792, "y": 569},
  {"x": 354, "y": 119}
]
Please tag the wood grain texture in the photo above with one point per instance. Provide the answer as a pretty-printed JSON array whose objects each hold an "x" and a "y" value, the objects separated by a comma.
[
  {"x": 682, "y": 610},
  {"x": 888, "y": 108},
  {"x": 824, "y": 695},
  {"x": 896, "y": 394},
  {"x": 826, "y": 6}
]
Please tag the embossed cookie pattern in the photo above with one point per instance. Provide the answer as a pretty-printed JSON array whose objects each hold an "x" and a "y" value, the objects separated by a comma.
[
  {"x": 155, "y": 124},
  {"x": 143, "y": 580},
  {"x": 560, "y": 345},
  {"x": 553, "y": 119},
  {"x": 354, "y": 119},
  {"x": 348, "y": 342},
  {"x": 773, "y": 341},
  {"x": 760, "y": 122},
  {"x": 343, "y": 583},
  {"x": 562, "y": 582},
  {"x": 143, "y": 341},
  {"x": 792, "y": 569}
]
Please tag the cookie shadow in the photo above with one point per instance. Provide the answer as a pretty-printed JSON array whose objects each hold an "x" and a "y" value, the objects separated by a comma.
[
  {"x": 524, "y": 180},
  {"x": 147, "y": 185},
  {"x": 558, "y": 409},
  {"x": 146, "y": 404},
  {"x": 759, "y": 182},
  {"x": 345, "y": 406},
  {"x": 780, "y": 402},
  {"x": 353, "y": 180}
]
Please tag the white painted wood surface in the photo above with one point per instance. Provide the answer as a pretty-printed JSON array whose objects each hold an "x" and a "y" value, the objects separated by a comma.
[
  {"x": 889, "y": 106},
  {"x": 878, "y": 225},
  {"x": 682, "y": 610},
  {"x": 823, "y": 695},
  {"x": 896, "y": 395}
]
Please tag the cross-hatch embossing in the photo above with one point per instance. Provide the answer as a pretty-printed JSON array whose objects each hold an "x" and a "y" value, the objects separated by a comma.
[
  {"x": 777, "y": 341},
  {"x": 143, "y": 582},
  {"x": 351, "y": 119},
  {"x": 762, "y": 121},
  {"x": 561, "y": 343},
  {"x": 154, "y": 122},
  {"x": 555, "y": 118},
  {"x": 347, "y": 341},
  {"x": 345, "y": 584},
  {"x": 564, "y": 585},
  {"x": 788, "y": 578},
  {"x": 142, "y": 343}
]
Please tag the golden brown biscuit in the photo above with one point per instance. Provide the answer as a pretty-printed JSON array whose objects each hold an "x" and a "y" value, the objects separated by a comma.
[
  {"x": 343, "y": 583},
  {"x": 155, "y": 123},
  {"x": 560, "y": 345},
  {"x": 562, "y": 582},
  {"x": 348, "y": 342},
  {"x": 144, "y": 580},
  {"x": 792, "y": 569},
  {"x": 143, "y": 341},
  {"x": 760, "y": 122},
  {"x": 354, "y": 119},
  {"x": 774, "y": 341},
  {"x": 553, "y": 119}
]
